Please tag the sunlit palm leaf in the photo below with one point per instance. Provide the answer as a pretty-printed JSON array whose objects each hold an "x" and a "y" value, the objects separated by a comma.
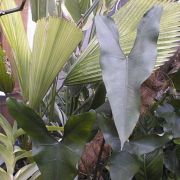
[
  {"x": 54, "y": 41},
  {"x": 87, "y": 68},
  {"x": 13, "y": 29}
]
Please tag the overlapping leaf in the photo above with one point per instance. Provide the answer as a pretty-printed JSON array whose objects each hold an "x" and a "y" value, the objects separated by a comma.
[
  {"x": 56, "y": 160},
  {"x": 87, "y": 68},
  {"x": 125, "y": 164},
  {"x": 54, "y": 41}
]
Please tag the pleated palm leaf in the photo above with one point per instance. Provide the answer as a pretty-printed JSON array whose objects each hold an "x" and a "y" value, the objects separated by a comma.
[
  {"x": 14, "y": 31},
  {"x": 54, "y": 41},
  {"x": 87, "y": 69}
]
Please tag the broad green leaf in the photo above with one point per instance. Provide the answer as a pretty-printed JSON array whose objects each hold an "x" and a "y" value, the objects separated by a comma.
[
  {"x": 172, "y": 119},
  {"x": 87, "y": 68},
  {"x": 123, "y": 166},
  {"x": 55, "y": 159},
  {"x": 146, "y": 144},
  {"x": 26, "y": 172},
  {"x": 6, "y": 78},
  {"x": 77, "y": 8},
  {"x": 54, "y": 41},
  {"x": 123, "y": 77},
  {"x": 14, "y": 31},
  {"x": 151, "y": 166},
  {"x": 40, "y": 8}
]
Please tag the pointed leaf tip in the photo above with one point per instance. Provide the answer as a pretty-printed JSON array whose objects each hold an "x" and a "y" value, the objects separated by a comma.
[{"x": 123, "y": 77}]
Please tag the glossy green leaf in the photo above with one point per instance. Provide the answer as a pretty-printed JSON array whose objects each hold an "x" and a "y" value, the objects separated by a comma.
[
  {"x": 123, "y": 77},
  {"x": 13, "y": 29},
  {"x": 151, "y": 166},
  {"x": 77, "y": 8},
  {"x": 123, "y": 166},
  {"x": 87, "y": 68},
  {"x": 55, "y": 159},
  {"x": 54, "y": 41},
  {"x": 6, "y": 78},
  {"x": 146, "y": 144}
]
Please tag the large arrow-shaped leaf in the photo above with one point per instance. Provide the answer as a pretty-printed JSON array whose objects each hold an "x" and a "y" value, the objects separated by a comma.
[
  {"x": 56, "y": 160},
  {"x": 123, "y": 76}
]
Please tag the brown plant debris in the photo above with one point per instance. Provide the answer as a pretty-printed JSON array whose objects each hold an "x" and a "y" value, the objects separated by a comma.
[{"x": 94, "y": 158}]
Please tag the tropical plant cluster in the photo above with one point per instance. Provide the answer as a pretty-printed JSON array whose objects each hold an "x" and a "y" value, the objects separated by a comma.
[{"x": 80, "y": 115}]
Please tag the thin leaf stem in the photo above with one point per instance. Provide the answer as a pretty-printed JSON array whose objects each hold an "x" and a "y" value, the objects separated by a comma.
[
  {"x": 87, "y": 13},
  {"x": 10, "y": 11}
]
